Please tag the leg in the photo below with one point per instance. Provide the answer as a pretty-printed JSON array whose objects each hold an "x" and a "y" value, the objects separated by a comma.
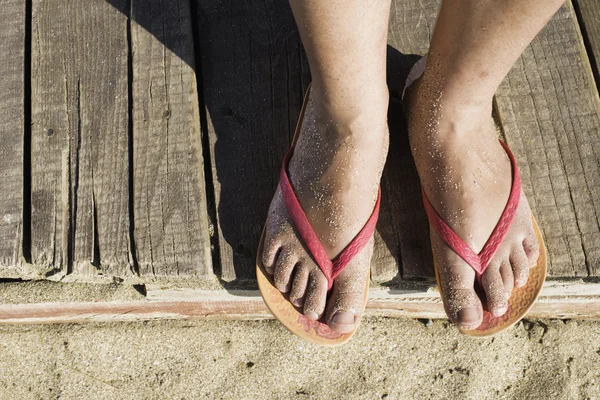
[
  {"x": 465, "y": 172},
  {"x": 339, "y": 156}
]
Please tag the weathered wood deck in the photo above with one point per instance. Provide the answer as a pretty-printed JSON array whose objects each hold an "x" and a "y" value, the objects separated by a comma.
[{"x": 141, "y": 142}]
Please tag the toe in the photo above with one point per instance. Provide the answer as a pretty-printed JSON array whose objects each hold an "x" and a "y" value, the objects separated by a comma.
[
  {"x": 532, "y": 250},
  {"x": 520, "y": 267},
  {"x": 464, "y": 308},
  {"x": 495, "y": 291},
  {"x": 460, "y": 300},
  {"x": 270, "y": 252},
  {"x": 284, "y": 266},
  {"x": 507, "y": 277},
  {"x": 299, "y": 284},
  {"x": 347, "y": 302},
  {"x": 316, "y": 295}
]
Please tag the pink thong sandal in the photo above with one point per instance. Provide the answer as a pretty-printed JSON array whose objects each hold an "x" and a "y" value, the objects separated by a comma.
[
  {"x": 521, "y": 299},
  {"x": 278, "y": 303}
]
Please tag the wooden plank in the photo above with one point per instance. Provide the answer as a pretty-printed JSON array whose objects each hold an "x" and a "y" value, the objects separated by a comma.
[
  {"x": 402, "y": 237},
  {"x": 80, "y": 220},
  {"x": 411, "y": 24},
  {"x": 12, "y": 48},
  {"x": 549, "y": 109},
  {"x": 170, "y": 215},
  {"x": 254, "y": 76},
  {"x": 588, "y": 12},
  {"x": 557, "y": 300}
]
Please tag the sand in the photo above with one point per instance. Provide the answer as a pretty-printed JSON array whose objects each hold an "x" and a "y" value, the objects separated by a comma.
[{"x": 387, "y": 359}]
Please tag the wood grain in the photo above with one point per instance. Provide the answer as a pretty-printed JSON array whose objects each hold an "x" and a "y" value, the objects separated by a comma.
[
  {"x": 254, "y": 74},
  {"x": 12, "y": 96},
  {"x": 171, "y": 221},
  {"x": 80, "y": 220}
]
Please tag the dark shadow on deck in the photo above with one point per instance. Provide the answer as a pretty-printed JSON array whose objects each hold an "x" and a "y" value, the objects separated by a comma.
[{"x": 252, "y": 73}]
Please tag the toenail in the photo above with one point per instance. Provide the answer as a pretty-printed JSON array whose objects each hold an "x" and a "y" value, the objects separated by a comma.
[
  {"x": 468, "y": 315},
  {"x": 499, "y": 311},
  {"x": 284, "y": 288},
  {"x": 312, "y": 315},
  {"x": 343, "y": 318},
  {"x": 297, "y": 302}
]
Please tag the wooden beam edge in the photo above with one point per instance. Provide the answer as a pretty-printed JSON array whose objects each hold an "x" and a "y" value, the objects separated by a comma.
[{"x": 558, "y": 300}]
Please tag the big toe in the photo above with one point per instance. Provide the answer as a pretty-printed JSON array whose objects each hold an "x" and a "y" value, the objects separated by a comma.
[
  {"x": 347, "y": 302},
  {"x": 461, "y": 302},
  {"x": 463, "y": 307}
]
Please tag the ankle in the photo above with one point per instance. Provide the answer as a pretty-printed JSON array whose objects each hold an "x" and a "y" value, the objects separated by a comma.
[
  {"x": 441, "y": 112},
  {"x": 350, "y": 118},
  {"x": 462, "y": 78}
]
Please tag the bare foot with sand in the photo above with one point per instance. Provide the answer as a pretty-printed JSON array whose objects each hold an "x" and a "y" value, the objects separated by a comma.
[
  {"x": 335, "y": 172},
  {"x": 467, "y": 176}
]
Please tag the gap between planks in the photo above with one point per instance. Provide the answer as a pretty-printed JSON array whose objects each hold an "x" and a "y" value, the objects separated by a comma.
[{"x": 559, "y": 299}]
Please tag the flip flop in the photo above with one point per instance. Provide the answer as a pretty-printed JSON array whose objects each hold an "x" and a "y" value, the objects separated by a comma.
[
  {"x": 521, "y": 299},
  {"x": 290, "y": 316}
]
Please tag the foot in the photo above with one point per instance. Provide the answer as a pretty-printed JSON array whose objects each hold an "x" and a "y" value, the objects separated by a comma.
[
  {"x": 467, "y": 176},
  {"x": 335, "y": 172}
]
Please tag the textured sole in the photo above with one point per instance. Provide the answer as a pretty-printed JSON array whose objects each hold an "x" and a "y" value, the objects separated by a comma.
[{"x": 521, "y": 299}]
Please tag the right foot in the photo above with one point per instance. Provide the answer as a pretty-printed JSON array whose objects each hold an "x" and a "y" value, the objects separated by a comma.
[
  {"x": 335, "y": 173},
  {"x": 467, "y": 177}
]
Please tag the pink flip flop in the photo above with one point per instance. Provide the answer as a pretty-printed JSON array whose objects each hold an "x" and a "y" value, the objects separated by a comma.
[
  {"x": 278, "y": 303},
  {"x": 521, "y": 299}
]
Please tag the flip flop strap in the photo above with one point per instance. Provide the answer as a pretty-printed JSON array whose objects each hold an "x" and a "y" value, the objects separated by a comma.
[
  {"x": 479, "y": 262},
  {"x": 331, "y": 268}
]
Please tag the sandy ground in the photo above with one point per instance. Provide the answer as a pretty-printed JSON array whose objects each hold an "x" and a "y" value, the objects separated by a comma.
[{"x": 387, "y": 359}]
